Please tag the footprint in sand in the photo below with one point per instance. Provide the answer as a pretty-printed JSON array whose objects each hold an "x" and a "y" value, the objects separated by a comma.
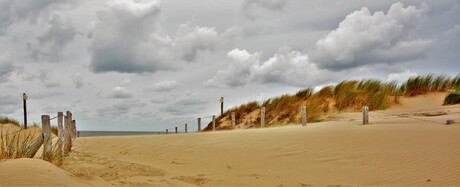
[{"x": 197, "y": 180}]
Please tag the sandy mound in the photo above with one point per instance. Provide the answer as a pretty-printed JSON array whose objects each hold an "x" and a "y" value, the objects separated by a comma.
[{"x": 35, "y": 172}]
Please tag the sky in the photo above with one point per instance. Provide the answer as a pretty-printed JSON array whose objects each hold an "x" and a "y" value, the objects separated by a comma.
[{"x": 148, "y": 65}]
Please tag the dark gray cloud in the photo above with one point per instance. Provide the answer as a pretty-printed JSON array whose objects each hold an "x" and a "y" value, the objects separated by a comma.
[
  {"x": 14, "y": 11},
  {"x": 120, "y": 39},
  {"x": 364, "y": 37},
  {"x": 255, "y": 9},
  {"x": 51, "y": 44},
  {"x": 127, "y": 39}
]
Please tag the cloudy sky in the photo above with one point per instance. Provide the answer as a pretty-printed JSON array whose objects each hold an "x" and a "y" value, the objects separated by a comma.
[{"x": 152, "y": 65}]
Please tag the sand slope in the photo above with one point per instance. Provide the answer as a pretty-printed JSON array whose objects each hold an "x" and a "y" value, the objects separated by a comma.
[
  {"x": 35, "y": 172},
  {"x": 399, "y": 148}
]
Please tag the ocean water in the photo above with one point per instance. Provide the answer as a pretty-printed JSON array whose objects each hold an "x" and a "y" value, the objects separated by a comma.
[{"x": 118, "y": 133}]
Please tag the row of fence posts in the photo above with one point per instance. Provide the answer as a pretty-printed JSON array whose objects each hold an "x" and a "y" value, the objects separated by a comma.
[
  {"x": 67, "y": 133},
  {"x": 303, "y": 112}
]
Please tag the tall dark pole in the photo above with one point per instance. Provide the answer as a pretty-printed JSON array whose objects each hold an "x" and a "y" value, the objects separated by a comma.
[
  {"x": 222, "y": 106},
  {"x": 24, "y": 101}
]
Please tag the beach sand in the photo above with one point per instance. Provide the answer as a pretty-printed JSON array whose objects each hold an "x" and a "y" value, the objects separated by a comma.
[{"x": 406, "y": 145}]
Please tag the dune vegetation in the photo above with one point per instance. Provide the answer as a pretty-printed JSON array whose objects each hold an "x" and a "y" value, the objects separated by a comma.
[
  {"x": 17, "y": 142},
  {"x": 7, "y": 120},
  {"x": 348, "y": 95}
]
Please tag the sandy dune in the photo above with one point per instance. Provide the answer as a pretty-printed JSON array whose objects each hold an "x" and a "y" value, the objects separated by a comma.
[
  {"x": 35, "y": 172},
  {"x": 399, "y": 148}
]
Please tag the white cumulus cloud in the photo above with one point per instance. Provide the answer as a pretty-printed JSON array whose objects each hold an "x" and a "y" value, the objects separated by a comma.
[
  {"x": 365, "y": 37},
  {"x": 286, "y": 67}
]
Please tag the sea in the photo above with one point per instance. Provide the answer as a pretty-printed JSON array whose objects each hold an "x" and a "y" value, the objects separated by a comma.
[{"x": 119, "y": 133}]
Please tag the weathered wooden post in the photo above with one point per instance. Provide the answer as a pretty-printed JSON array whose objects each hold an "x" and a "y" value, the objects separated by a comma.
[
  {"x": 185, "y": 127},
  {"x": 233, "y": 120},
  {"x": 74, "y": 129},
  {"x": 303, "y": 111},
  {"x": 24, "y": 101},
  {"x": 262, "y": 117},
  {"x": 199, "y": 124},
  {"x": 221, "y": 106},
  {"x": 46, "y": 126},
  {"x": 68, "y": 132},
  {"x": 213, "y": 122},
  {"x": 60, "y": 116},
  {"x": 365, "y": 115},
  {"x": 176, "y": 130}
]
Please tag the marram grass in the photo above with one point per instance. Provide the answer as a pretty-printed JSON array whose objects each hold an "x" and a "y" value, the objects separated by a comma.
[{"x": 349, "y": 95}]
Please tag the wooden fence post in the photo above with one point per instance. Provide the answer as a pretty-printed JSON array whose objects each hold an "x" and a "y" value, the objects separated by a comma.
[
  {"x": 262, "y": 117},
  {"x": 199, "y": 124},
  {"x": 46, "y": 126},
  {"x": 67, "y": 133},
  {"x": 74, "y": 129},
  {"x": 166, "y": 131},
  {"x": 233, "y": 120},
  {"x": 60, "y": 127},
  {"x": 176, "y": 130},
  {"x": 185, "y": 127},
  {"x": 213, "y": 122},
  {"x": 365, "y": 115},
  {"x": 303, "y": 111}
]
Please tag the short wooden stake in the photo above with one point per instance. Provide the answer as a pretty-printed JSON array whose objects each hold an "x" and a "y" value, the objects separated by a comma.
[
  {"x": 176, "y": 130},
  {"x": 233, "y": 120},
  {"x": 262, "y": 117},
  {"x": 199, "y": 124},
  {"x": 303, "y": 111},
  {"x": 213, "y": 122},
  {"x": 60, "y": 116},
  {"x": 166, "y": 131},
  {"x": 365, "y": 115},
  {"x": 186, "y": 128}
]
